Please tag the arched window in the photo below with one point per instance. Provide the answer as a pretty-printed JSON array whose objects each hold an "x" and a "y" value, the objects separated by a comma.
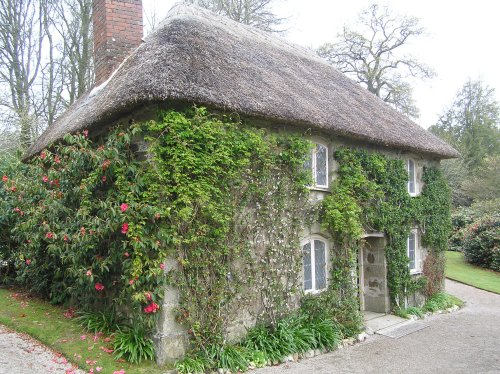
[
  {"x": 314, "y": 252},
  {"x": 411, "y": 177},
  {"x": 318, "y": 163}
]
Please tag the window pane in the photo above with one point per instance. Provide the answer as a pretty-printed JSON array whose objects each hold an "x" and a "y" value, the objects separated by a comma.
[
  {"x": 306, "y": 249},
  {"x": 319, "y": 260},
  {"x": 321, "y": 173},
  {"x": 411, "y": 251},
  {"x": 411, "y": 176},
  {"x": 308, "y": 166}
]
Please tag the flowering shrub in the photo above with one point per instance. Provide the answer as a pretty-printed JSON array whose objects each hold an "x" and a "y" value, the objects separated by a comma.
[{"x": 80, "y": 228}]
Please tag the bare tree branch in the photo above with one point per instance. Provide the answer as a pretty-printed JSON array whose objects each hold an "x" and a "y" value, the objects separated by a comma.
[
  {"x": 373, "y": 57},
  {"x": 256, "y": 13}
]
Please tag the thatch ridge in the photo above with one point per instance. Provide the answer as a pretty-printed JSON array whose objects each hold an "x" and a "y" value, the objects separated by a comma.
[{"x": 196, "y": 56}]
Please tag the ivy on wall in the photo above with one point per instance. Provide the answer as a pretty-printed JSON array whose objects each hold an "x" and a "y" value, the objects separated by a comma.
[
  {"x": 235, "y": 196},
  {"x": 370, "y": 194}
]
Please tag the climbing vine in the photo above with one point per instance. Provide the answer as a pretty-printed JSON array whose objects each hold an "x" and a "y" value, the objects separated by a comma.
[
  {"x": 370, "y": 194},
  {"x": 235, "y": 196}
]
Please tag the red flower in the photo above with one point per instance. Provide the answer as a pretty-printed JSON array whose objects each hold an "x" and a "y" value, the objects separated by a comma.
[
  {"x": 5, "y": 178},
  {"x": 45, "y": 178},
  {"x": 65, "y": 238},
  {"x": 28, "y": 262},
  {"x": 124, "y": 228},
  {"x": 49, "y": 235},
  {"x": 151, "y": 308},
  {"x": 99, "y": 286},
  {"x": 162, "y": 266},
  {"x": 123, "y": 207},
  {"x": 88, "y": 274},
  {"x": 57, "y": 160},
  {"x": 148, "y": 296},
  {"x": 131, "y": 282},
  {"x": 103, "y": 178},
  {"x": 43, "y": 155},
  {"x": 126, "y": 254},
  {"x": 82, "y": 230},
  {"x": 13, "y": 189},
  {"x": 85, "y": 133}
]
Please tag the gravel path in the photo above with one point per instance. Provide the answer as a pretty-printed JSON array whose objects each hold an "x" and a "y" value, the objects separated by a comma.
[
  {"x": 21, "y": 354},
  {"x": 466, "y": 341}
]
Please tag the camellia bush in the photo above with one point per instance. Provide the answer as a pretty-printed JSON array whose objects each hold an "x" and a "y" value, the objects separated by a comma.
[{"x": 80, "y": 231}]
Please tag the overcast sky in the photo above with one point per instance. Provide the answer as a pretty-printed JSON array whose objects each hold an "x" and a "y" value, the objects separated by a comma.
[{"x": 461, "y": 41}]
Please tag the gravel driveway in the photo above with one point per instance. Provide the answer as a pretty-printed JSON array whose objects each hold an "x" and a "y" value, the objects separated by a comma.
[
  {"x": 21, "y": 354},
  {"x": 466, "y": 341}
]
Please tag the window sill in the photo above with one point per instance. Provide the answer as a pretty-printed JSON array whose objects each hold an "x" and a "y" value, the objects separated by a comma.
[
  {"x": 314, "y": 292},
  {"x": 416, "y": 272},
  {"x": 320, "y": 189}
]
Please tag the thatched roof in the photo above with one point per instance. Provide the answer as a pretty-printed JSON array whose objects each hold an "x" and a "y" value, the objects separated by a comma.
[{"x": 196, "y": 56}]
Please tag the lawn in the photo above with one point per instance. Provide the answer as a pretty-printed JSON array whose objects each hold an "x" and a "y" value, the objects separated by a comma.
[
  {"x": 53, "y": 326},
  {"x": 459, "y": 270}
]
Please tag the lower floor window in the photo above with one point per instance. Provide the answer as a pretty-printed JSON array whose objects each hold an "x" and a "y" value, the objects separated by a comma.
[
  {"x": 314, "y": 254},
  {"x": 412, "y": 251}
]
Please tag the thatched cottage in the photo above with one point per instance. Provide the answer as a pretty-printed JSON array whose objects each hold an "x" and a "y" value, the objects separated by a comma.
[{"x": 197, "y": 57}]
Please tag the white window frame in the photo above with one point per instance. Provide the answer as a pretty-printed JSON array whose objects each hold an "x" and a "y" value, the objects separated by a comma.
[
  {"x": 314, "y": 165},
  {"x": 414, "y": 181},
  {"x": 311, "y": 240},
  {"x": 416, "y": 269}
]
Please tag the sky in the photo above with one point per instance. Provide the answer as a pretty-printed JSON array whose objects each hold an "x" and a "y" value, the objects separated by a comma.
[{"x": 461, "y": 41}]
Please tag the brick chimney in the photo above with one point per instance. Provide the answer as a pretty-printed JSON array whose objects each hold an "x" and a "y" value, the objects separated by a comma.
[{"x": 117, "y": 32}]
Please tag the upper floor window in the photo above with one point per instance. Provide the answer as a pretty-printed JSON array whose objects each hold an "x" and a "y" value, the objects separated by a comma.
[
  {"x": 318, "y": 163},
  {"x": 410, "y": 164},
  {"x": 412, "y": 251},
  {"x": 314, "y": 255}
]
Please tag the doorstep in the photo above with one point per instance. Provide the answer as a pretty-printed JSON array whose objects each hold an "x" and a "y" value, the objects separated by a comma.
[{"x": 378, "y": 321}]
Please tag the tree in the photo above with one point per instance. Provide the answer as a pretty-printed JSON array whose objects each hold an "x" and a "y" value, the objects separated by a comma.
[
  {"x": 373, "y": 56},
  {"x": 21, "y": 36},
  {"x": 45, "y": 63},
  {"x": 256, "y": 13},
  {"x": 472, "y": 126},
  {"x": 76, "y": 32}
]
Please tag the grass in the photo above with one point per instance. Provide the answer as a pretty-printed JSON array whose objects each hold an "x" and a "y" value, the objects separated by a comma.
[
  {"x": 52, "y": 326},
  {"x": 461, "y": 271}
]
